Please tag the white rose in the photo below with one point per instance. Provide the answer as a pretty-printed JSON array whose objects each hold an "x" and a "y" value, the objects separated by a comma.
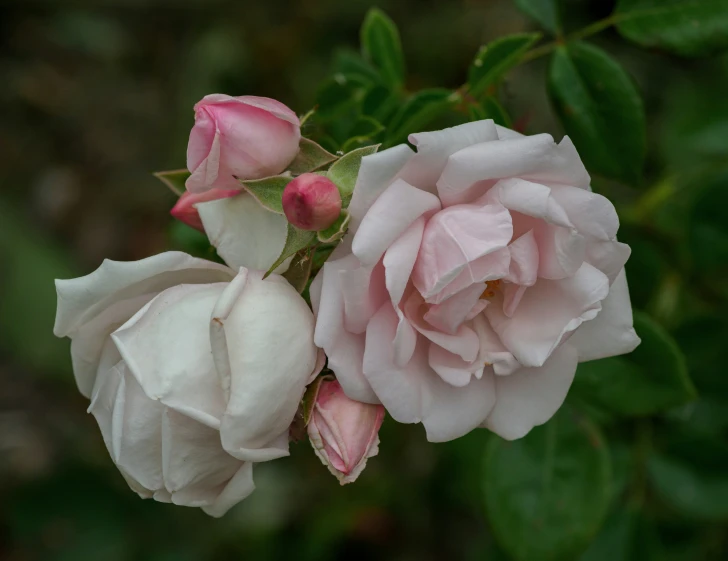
[{"x": 194, "y": 372}]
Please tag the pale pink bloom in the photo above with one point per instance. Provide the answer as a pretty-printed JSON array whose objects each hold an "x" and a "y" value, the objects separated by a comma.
[
  {"x": 194, "y": 371},
  {"x": 343, "y": 432},
  {"x": 248, "y": 137},
  {"x": 185, "y": 209},
  {"x": 311, "y": 202},
  {"x": 476, "y": 274}
]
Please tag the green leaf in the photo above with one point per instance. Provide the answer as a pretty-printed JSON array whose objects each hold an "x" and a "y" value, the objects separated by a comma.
[
  {"x": 337, "y": 230},
  {"x": 174, "y": 179},
  {"x": 353, "y": 66},
  {"x": 420, "y": 109},
  {"x": 691, "y": 489},
  {"x": 345, "y": 171},
  {"x": 311, "y": 156},
  {"x": 268, "y": 191},
  {"x": 496, "y": 58},
  {"x": 547, "y": 494},
  {"x": 652, "y": 378},
  {"x": 684, "y": 27},
  {"x": 545, "y": 12},
  {"x": 296, "y": 240},
  {"x": 382, "y": 47},
  {"x": 380, "y": 103},
  {"x": 600, "y": 109},
  {"x": 490, "y": 108},
  {"x": 336, "y": 96},
  {"x": 299, "y": 270}
]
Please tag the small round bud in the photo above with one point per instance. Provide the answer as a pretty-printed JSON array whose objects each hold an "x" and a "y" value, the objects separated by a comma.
[{"x": 311, "y": 202}]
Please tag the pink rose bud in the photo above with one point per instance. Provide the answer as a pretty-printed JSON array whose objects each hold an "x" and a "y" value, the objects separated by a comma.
[
  {"x": 185, "y": 211},
  {"x": 344, "y": 432},
  {"x": 247, "y": 137},
  {"x": 311, "y": 202}
]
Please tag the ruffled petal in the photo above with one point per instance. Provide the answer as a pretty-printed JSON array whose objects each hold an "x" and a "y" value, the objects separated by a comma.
[
  {"x": 472, "y": 171},
  {"x": 611, "y": 332},
  {"x": 530, "y": 397},
  {"x": 456, "y": 237},
  {"x": 549, "y": 310},
  {"x": 392, "y": 213}
]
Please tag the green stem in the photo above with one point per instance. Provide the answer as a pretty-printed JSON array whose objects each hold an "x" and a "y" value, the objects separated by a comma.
[{"x": 587, "y": 31}]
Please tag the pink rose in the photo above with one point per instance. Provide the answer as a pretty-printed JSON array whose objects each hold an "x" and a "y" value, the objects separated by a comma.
[
  {"x": 477, "y": 273},
  {"x": 247, "y": 137},
  {"x": 185, "y": 209},
  {"x": 343, "y": 432}
]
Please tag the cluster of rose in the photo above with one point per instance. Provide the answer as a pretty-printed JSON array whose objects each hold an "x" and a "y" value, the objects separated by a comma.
[{"x": 456, "y": 282}]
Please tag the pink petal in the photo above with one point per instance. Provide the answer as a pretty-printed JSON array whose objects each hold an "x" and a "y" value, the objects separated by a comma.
[
  {"x": 434, "y": 148},
  {"x": 464, "y": 342},
  {"x": 399, "y": 259},
  {"x": 456, "y": 237},
  {"x": 530, "y": 396},
  {"x": 449, "y": 315},
  {"x": 611, "y": 332},
  {"x": 472, "y": 170},
  {"x": 451, "y": 368},
  {"x": 391, "y": 214},
  {"x": 547, "y": 311}
]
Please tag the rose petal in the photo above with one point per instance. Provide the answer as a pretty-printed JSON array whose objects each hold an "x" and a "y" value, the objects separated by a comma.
[
  {"x": 375, "y": 174},
  {"x": 244, "y": 233},
  {"x": 611, "y": 332},
  {"x": 434, "y": 148},
  {"x": 399, "y": 259},
  {"x": 471, "y": 172},
  {"x": 530, "y": 396},
  {"x": 390, "y": 215},
  {"x": 456, "y": 237},
  {"x": 548, "y": 310}
]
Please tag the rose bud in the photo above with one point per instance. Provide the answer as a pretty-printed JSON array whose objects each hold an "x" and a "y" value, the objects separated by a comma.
[
  {"x": 311, "y": 202},
  {"x": 247, "y": 137},
  {"x": 344, "y": 432},
  {"x": 185, "y": 210}
]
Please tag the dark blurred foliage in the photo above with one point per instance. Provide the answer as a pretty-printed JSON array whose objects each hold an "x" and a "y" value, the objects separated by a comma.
[{"x": 97, "y": 95}]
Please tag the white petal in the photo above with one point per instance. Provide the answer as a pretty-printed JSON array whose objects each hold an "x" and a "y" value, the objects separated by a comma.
[
  {"x": 240, "y": 486},
  {"x": 91, "y": 307},
  {"x": 530, "y": 396},
  {"x": 195, "y": 466},
  {"x": 269, "y": 334},
  {"x": 166, "y": 346},
  {"x": 611, "y": 332},
  {"x": 244, "y": 233}
]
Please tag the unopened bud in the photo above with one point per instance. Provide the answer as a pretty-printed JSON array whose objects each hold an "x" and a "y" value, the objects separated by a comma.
[
  {"x": 311, "y": 202},
  {"x": 344, "y": 432}
]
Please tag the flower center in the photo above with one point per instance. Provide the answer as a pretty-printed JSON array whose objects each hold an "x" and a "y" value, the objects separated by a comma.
[{"x": 490, "y": 289}]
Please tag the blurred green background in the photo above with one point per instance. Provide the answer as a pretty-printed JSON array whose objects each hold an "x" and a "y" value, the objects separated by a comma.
[{"x": 95, "y": 96}]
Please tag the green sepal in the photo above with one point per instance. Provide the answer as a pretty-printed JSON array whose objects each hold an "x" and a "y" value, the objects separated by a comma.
[
  {"x": 336, "y": 231},
  {"x": 345, "y": 171},
  {"x": 174, "y": 179},
  {"x": 268, "y": 191},
  {"x": 311, "y": 156},
  {"x": 296, "y": 240}
]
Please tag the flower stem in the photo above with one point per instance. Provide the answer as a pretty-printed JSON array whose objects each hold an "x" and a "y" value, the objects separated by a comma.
[{"x": 583, "y": 33}]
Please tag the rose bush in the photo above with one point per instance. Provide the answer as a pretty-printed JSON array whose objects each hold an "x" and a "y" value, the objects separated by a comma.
[
  {"x": 247, "y": 137},
  {"x": 194, "y": 371},
  {"x": 477, "y": 272}
]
